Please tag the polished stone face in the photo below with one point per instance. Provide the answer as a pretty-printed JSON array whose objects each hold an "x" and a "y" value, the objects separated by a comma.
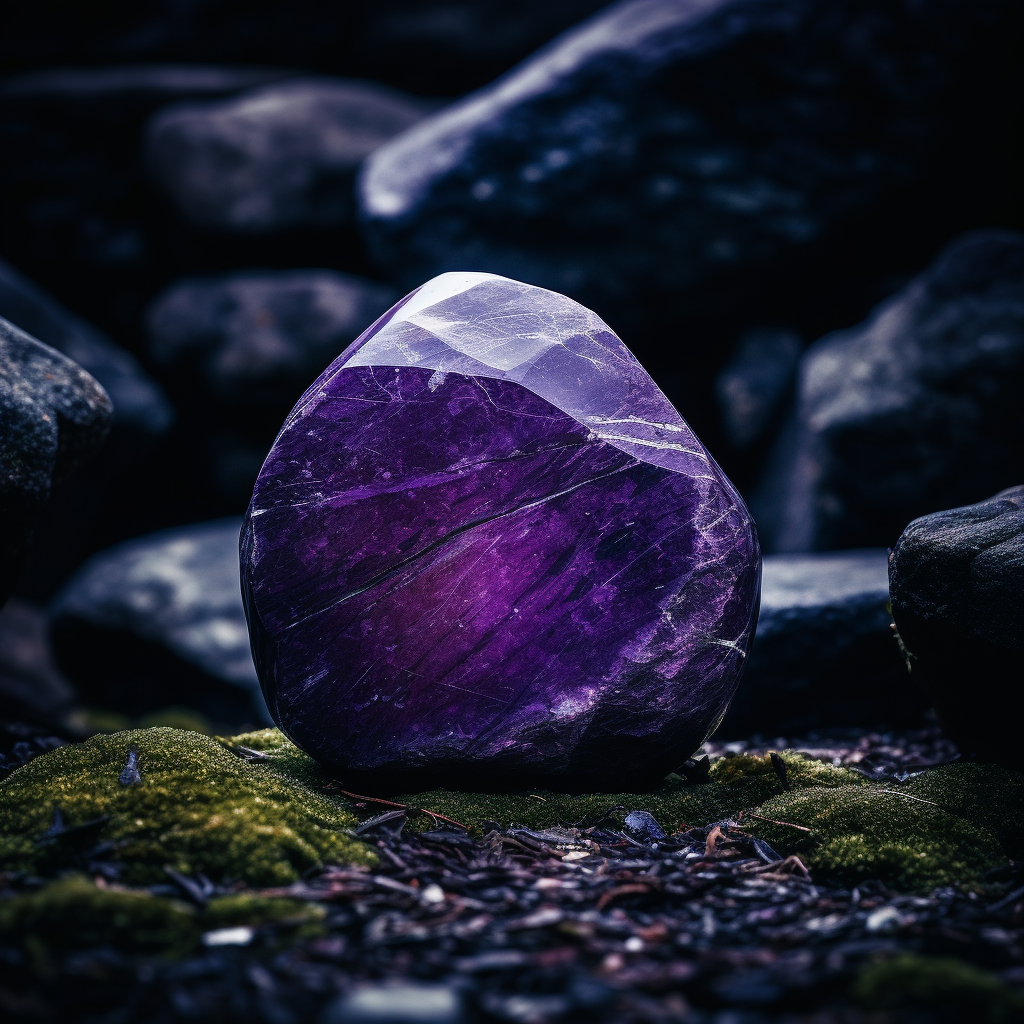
[{"x": 486, "y": 551}]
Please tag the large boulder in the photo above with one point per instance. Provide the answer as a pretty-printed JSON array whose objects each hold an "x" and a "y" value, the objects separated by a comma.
[
  {"x": 158, "y": 622},
  {"x": 260, "y": 337},
  {"x": 665, "y": 154},
  {"x": 957, "y": 585},
  {"x": 78, "y": 209},
  {"x": 485, "y": 549},
  {"x": 824, "y": 655},
  {"x": 280, "y": 157},
  {"x": 53, "y": 418},
  {"x": 917, "y": 408}
]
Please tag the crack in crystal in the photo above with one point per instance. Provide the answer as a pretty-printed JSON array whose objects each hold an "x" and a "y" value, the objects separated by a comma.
[{"x": 387, "y": 574}]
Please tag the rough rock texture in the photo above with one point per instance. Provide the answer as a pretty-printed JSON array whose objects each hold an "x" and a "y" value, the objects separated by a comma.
[
  {"x": 31, "y": 685},
  {"x": 283, "y": 156},
  {"x": 957, "y": 585},
  {"x": 486, "y": 549},
  {"x": 754, "y": 385},
  {"x": 916, "y": 409},
  {"x": 53, "y": 418},
  {"x": 158, "y": 621},
  {"x": 824, "y": 655},
  {"x": 260, "y": 337},
  {"x": 142, "y": 412},
  {"x": 662, "y": 150}
]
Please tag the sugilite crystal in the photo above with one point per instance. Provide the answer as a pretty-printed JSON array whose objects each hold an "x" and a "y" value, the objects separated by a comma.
[{"x": 486, "y": 551}]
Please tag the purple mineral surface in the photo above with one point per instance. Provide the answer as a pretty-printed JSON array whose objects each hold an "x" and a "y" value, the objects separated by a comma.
[{"x": 485, "y": 551}]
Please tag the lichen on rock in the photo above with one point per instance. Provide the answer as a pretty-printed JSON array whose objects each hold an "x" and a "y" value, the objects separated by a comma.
[{"x": 199, "y": 808}]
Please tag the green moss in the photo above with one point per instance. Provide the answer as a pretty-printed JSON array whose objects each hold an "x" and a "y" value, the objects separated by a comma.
[
  {"x": 734, "y": 783},
  {"x": 72, "y": 913},
  {"x": 253, "y": 910},
  {"x": 199, "y": 808},
  {"x": 951, "y": 989},
  {"x": 871, "y": 832}
]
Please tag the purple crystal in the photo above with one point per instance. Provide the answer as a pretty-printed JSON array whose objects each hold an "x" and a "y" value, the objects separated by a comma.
[{"x": 486, "y": 551}]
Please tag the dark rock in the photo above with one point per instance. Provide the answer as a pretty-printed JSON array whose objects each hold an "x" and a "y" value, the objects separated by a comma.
[
  {"x": 260, "y": 337},
  {"x": 158, "y": 621},
  {"x": 142, "y": 412},
  {"x": 957, "y": 585},
  {"x": 31, "y": 686},
  {"x": 280, "y": 157},
  {"x": 917, "y": 408},
  {"x": 824, "y": 655},
  {"x": 667, "y": 154},
  {"x": 434, "y": 47},
  {"x": 53, "y": 418},
  {"x": 643, "y": 825},
  {"x": 754, "y": 384},
  {"x": 78, "y": 210}
]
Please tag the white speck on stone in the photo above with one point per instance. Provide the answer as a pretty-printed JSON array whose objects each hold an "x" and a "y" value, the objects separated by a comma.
[{"x": 240, "y": 936}]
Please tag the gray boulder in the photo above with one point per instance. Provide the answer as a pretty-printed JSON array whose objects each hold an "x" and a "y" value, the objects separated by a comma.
[
  {"x": 142, "y": 412},
  {"x": 53, "y": 418},
  {"x": 158, "y": 622},
  {"x": 260, "y": 337},
  {"x": 957, "y": 585},
  {"x": 824, "y": 655},
  {"x": 31, "y": 686},
  {"x": 279, "y": 157},
  {"x": 917, "y": 408},
  {"x": 663, "y": 152}
]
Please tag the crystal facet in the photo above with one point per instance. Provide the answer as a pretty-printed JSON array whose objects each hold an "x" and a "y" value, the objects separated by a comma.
[{"x": 485, "y": 550}]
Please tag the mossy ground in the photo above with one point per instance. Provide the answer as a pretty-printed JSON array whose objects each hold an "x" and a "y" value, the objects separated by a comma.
[
  {"x": 73, "y": 913},
  {"x": 946, "y": 988},
  {"x": 198, "y": 808}
]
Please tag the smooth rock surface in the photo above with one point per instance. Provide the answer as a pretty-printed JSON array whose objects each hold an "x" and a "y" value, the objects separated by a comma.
[
  {"x": 53, "y": 418},
  {"x": 485, "y": 550},
  {"x": 664, "y": 151},
  {"x": 158, "y": 621},
  {"x": 260, "y": 337},
  {"x": 142, "y": 412},
  {"x": 957, "y": 585},
  {"x": 918, "y": 408},
  {"x": 279, "y": 157},
  {"x": 824, "y": 655}
]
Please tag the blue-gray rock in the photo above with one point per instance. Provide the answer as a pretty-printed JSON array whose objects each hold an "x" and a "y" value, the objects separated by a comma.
[
  {"x": 53, "y": 418},
  {"x": 643, "y": 825},
  {"x": 918, "y": 408},
  {"x": 753, "y": 386},
  {"x": 158, "y": 622},
  {"x": 396, "y": 1002},
  {"x": 142, "y": 412},
  {"x": 663, "y": 152},
  {"x": 279, "y": 157},
  {"x": 260, "y": 337},
  {"x": 957, "y": 585},
  {"x": 824, "y": 655}
]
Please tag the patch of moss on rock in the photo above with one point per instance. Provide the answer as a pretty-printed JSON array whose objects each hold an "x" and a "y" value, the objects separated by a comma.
[
  {"x": 72, "y": 913},
  {"x": 949, "y": 989},
  {"x": 734, "y": 783},
  {"x": 198, "y": 808}
]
